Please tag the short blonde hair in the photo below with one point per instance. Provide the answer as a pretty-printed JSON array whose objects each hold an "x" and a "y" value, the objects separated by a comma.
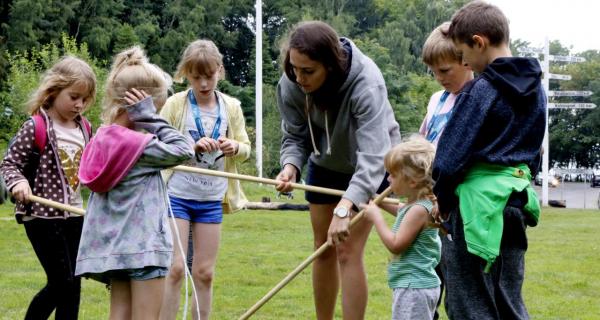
[
  {"x": 413, "y": 159},
  {"x": 68, "y": 71},
  {"x": 439, "y": 47},
  {"x": 201, "y": 57},
  {"x": 131, "y": 69}
]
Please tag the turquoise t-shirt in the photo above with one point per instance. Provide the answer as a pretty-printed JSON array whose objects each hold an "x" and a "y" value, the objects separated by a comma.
[{"x": 415, "y": 267}]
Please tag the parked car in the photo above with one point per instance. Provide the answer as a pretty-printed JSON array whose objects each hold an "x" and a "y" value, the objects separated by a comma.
[
  {"x": 595, "y": 181},
  {"x": 553, "y": 181}
]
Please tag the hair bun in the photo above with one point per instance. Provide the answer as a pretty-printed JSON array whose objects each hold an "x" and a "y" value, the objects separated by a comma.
[{"x": 131, "y": 57}]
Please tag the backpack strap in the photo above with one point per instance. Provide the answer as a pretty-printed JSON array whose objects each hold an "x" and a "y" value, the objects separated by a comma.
[
  {"x": 88, "y": 128},
  {"x": 40, "y": 134}
]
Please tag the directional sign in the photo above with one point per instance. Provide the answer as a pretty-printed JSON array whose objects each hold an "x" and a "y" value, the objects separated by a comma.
[
  {"x": 531, "y": 50},
  {"x": 569, "y": 93},
  {"x": 559, "y": 76},
  {"x": 566, "y": 58},
  {"x": 571, "y": 105}
]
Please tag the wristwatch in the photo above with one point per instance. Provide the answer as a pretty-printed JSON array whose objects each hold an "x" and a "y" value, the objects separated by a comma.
[{"x": 341, "y": 212}]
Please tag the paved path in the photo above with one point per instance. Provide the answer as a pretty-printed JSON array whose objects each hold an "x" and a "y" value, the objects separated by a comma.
[{"x": 577, "y": 194}]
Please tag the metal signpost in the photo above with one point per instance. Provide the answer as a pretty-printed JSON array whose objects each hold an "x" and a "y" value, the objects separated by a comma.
[{"x": 545, "y": 64}]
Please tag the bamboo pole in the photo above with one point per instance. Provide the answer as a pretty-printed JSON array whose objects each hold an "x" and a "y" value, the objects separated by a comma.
[
  {"x": 57, "y": 205},
  {"x": 306, "y": 262},
  {"x": 274, "y": 182}
]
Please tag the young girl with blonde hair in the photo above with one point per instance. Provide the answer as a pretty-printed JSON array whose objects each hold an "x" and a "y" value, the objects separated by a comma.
[
  {"x": 49, "y": 169},
  {"x": 413, "y": 239},
  {"x": 215, "y": 122},
  {"x": 126, "y": 239}
]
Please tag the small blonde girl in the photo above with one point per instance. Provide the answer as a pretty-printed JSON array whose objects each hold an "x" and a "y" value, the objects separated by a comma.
[
  {"x": 215, "y": 122},
  {"x": 412, "y": 240},
  {"x": 49, "y": 169},
  {"x": 126, "y": 239}
]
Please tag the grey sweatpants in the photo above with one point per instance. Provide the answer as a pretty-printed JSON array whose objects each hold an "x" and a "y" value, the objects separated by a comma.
[
  {"x": 414, "y": 304},
  {"x": 473, "y": 294}
]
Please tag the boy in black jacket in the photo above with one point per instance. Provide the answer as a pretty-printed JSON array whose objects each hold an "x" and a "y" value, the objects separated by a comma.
[{"x": 498, "y": 126}]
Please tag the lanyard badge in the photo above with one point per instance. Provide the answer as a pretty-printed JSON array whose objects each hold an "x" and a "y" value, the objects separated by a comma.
[{"x": 208, "y": 159}]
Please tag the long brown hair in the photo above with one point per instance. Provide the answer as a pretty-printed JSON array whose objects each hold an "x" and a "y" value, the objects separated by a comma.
[
  {"x": 68, "y": 71},
  {"x": 320, "y": 42}
]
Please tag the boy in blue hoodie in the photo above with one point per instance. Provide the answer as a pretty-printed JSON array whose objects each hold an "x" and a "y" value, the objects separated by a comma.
[{"x": 483, "y": 169}]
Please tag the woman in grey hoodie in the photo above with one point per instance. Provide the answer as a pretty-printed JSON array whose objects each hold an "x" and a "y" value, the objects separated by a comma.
[{"x": 336, "y": 117}]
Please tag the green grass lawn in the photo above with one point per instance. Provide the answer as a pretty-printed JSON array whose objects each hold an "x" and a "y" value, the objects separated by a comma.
[{"x": 259, "y": 248}]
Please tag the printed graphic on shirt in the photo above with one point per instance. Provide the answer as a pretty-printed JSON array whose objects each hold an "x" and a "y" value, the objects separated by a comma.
[
  {"x": 70, "y": 143},
  {"x": 70, "y": 158}
]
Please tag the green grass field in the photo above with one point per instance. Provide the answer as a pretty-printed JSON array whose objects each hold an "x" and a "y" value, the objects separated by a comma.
[{"x": 259, "y": 248}]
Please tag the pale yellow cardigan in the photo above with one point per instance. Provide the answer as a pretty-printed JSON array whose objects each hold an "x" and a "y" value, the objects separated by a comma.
[{"x": 175, "y": 110}]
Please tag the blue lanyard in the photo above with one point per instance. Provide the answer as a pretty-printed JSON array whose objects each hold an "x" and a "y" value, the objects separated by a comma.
[
  {"x": 434, "y": 119},
  {"x": 197, "y": 117}
]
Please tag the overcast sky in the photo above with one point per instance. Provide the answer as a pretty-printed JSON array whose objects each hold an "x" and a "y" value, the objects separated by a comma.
[{"x": 574, "y": 22}]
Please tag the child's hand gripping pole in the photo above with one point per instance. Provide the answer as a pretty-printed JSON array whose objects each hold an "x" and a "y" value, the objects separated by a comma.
[
  {"x": 307, "y": 262},
  {"x": 56, "y": 205}
]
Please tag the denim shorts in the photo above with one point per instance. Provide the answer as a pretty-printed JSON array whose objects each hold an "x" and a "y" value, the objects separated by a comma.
[
  {"x": 138, "y": 274},
  {"x": 197, "y": 211},
  {"x": 323, "y": 177}
]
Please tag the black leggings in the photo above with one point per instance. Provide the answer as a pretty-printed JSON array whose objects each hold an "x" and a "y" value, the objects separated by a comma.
[{"x": 56, "y": 242}]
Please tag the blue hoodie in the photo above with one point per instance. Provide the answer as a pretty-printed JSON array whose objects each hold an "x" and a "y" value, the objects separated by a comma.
[{"x": 499, "y": 118}]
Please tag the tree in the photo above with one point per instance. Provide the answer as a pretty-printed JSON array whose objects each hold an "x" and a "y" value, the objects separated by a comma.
[{"x": 125, "y": 37}]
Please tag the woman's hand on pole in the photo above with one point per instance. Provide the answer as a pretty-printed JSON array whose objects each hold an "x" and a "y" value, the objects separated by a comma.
[
  {"x": 339, "y": 228},
  {"x": 286, "y": 177}
]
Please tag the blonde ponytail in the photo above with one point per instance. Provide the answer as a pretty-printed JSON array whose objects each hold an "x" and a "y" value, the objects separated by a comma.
[{"x": 131, "y": 69}]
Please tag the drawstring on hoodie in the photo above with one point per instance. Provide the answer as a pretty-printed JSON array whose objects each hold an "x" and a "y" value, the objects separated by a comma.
[{"x": 312, "y": 136}]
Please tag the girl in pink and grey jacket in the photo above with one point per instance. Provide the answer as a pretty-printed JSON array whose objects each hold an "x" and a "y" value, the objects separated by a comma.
[{"x": 126, "y": 239}]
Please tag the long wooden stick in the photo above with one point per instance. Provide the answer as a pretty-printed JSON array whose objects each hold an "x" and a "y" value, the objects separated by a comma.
[
  {"x": 57, "y": 205},
  {"x": 274, "y": 182},
  {"x": 306, "y": 262},
  {"x": 79, "y": 211}
]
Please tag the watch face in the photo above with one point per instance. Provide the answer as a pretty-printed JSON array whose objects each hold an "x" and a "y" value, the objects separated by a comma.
[{"x": 341, "y": 212}]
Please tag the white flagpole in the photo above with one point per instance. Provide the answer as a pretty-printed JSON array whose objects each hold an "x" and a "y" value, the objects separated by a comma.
[{"x": 258, "y": 87}]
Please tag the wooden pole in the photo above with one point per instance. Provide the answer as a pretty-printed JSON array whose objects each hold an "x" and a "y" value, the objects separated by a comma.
[
  {"x": 274, "y": 182},
  {"x": 57, "y": 205},
  {"x": 306, "y": 262},
  {"x": 79, "y": 211}
]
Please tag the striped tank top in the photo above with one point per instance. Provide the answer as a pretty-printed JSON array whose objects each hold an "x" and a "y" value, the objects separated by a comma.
[{"x": 414, "y": 268}]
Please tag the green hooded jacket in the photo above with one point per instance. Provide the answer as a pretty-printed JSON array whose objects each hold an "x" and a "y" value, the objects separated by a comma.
[{"x": 482, "y": 197}]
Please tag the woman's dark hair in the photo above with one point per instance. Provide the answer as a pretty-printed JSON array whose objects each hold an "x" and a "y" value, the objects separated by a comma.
[{"x": 319, "y": 42}]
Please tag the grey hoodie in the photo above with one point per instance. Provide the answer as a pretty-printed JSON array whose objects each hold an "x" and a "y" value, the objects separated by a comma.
[{"x": 351, "y": 138}]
